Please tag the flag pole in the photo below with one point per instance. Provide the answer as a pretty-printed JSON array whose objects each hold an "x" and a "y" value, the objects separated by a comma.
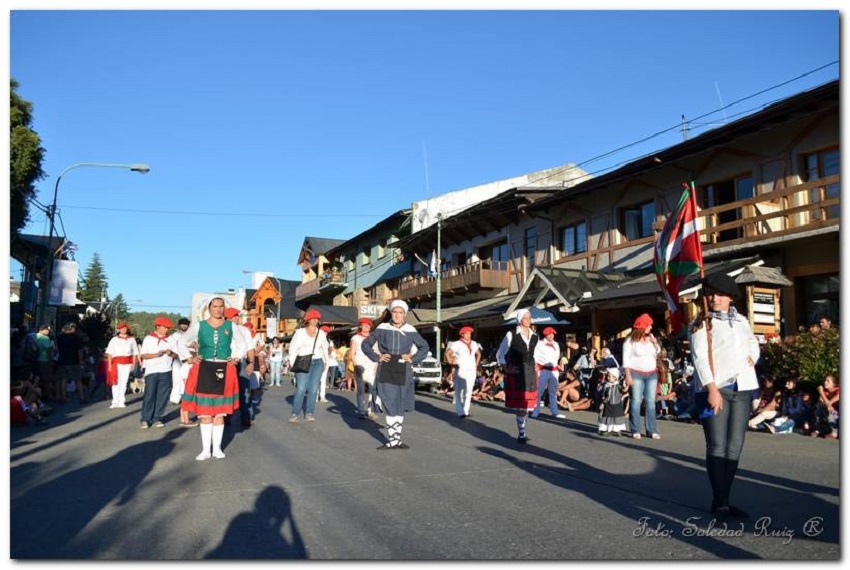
[{"x": 706, "y": 320}]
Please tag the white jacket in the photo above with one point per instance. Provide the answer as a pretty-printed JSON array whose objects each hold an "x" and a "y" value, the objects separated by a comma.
[{"x": 730, "y": 346}]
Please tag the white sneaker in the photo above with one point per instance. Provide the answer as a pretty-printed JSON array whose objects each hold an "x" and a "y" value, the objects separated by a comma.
[
  {"x": 218, "y": 454},
  {"x": 202, "y": 456},
  {"x": 561, "y": 416},
  {"x": 121, "y": 406},
  {"x": 113, "y": 406}
]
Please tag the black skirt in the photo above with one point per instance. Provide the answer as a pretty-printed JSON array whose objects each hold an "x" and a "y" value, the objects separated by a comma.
[{"x": 211, "y": 377}]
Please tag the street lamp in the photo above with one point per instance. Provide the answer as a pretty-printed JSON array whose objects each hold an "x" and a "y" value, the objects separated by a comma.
[
  {"x": 279, "y": 298},
  {"x": 141, "y": 168}
]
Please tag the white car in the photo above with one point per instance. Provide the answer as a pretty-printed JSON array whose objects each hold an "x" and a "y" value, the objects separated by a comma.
[{"x": 427, "y": 373}]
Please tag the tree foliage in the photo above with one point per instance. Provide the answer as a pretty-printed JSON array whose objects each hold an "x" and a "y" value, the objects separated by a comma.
[
  {"x": 809, "y": 356},
  {"x": 98, "y": 328},
  {"x": 141, "y": 323},
  {"x": 94, "y": 284},
  {"x": 25, "y": 159},
  {"x": 120, "y": 308}
]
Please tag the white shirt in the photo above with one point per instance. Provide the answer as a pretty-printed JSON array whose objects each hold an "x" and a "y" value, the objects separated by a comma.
[
  {"x": 302, "y": 343},
  {"x": 276, "y": 353},
  {"x": 122, "y": 347},
  {"x": 730, "y": 346},
  {"x": 151, "y": 345},
  {"x": 641, "y": 356},
  {"x": 360, "y": 359},
  {"x": 465, "y": 357},
  {"x": 547, "y": 353}
]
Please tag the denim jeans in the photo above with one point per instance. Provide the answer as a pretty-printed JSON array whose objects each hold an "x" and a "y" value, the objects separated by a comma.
[
  {"x": 546, "y": 380},
  {"x": 275, "y": 372},
  {"x": 643, "y": 387},
  {"x": 725, "y": 431},
  {"x": 246, "y": 405},
  {"x": 307, "y": 385},
  {"x": 157, "y": 392}
]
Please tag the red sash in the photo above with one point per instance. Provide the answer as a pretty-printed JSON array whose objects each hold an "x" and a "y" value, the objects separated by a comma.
[{"x": 112, "y": 376}]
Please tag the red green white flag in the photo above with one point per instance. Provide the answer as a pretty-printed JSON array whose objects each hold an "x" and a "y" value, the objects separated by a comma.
[{"x": 678, "y": 252}]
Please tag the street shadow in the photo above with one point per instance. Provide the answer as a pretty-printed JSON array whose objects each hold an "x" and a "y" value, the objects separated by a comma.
[
  {"x": 267, "y": 532},
  {"x": 596, "y": 484},
  {"x": 347, "y": 412},
  {"x": 91, "y": 489}
]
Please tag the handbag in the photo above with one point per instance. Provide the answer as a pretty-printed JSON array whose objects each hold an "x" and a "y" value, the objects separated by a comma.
[{"x": 304, "y": 361}]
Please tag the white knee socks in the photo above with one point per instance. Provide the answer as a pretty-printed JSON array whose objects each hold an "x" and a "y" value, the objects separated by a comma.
[
  {"x": 206, "y": 441},
  {"x": 394, "y": 429},
  {"x": 217, "y": 434}
]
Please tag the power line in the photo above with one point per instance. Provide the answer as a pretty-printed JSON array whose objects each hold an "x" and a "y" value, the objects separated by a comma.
[{"x": 229, "y": 214}]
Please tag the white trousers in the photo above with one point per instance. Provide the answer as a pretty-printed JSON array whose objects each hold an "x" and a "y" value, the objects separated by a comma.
[
  {"x": 119, "y": 391},
  {"x": 464, "y": 383}
]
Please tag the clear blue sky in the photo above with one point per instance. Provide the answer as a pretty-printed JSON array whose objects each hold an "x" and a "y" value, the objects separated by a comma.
[{"x": 264, "y": 127}]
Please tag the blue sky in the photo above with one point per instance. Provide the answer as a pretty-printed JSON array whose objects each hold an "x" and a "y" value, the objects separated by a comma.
[{"x": 264, "y": 127}]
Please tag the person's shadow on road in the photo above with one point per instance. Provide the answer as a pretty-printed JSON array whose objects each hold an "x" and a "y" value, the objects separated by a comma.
[{"x": 263, "y": 533}]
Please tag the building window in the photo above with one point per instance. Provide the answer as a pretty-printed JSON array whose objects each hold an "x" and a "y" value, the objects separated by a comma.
[
  {"x": 636, "y": 221},
  {"x": 817, "y": 165},
  {"x": 820, "y": 296},
  {"x": 574, "y": 239},
  {"x": 727, "y": 192},
  {"x": 367, "y": 255},
  {"x": 495, "y": 256},
  {"x": 382, "y": 248},
  {"x": 530, "y": 246}
]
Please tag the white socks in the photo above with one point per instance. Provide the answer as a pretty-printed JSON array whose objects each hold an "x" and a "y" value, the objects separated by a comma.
[
  {"x": 206, "y": 441},
  {"x": 394, "y": 430},
  {"x": 217, "y": 434}
]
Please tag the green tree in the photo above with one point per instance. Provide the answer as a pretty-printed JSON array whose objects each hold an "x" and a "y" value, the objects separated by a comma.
[
  {"x": 94, "y": 284},
  {"x": 25, "y": 157},
  {"x": 98, "y": 329},
  {"x": 120, "y": 308}
]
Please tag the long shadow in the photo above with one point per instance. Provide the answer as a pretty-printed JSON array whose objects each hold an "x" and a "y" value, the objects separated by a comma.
[
  {"x": 41, "y": 531},
  {"x": 597, "y": 484},
  {"x": 263, "y": 533},
  {"x": 347, "y": 411}
]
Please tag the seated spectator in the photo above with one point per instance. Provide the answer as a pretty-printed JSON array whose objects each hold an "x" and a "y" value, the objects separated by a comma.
[
  {"x": 446, "y": 387},
  {"x": 607, "y": 360},
  {"x": 492, "y": 388},
  {"x": 684, "y": 400},
  {"x": 24, "y": 405},
  {"x": 569, "y": 394},
  {"x": 767, "y": 404},
  {"x": 791, "y": 409},
  {"x": 826, "y": 409}
]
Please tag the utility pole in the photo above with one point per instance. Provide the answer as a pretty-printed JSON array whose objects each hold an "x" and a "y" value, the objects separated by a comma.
[{"x": 439, "y": 284}]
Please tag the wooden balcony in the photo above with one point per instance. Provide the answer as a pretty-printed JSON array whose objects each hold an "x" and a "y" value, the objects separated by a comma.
[
  {"x": 457, "y": 280},
  {"x": 327, "y": 285},
  {"x": 777, "y": 214}
]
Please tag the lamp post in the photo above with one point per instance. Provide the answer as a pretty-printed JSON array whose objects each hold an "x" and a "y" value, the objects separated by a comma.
[
  {"x": 141, "y": 168},
  {"x": 279, "y": 298}
]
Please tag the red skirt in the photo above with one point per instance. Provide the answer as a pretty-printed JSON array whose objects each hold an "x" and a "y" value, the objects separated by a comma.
[
  {"x": 211, "y": 404},
  {"x": 516, "y": 396}
]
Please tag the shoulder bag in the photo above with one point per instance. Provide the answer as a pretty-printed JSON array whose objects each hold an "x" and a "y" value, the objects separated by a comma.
[{"x": 304, "y": 361}]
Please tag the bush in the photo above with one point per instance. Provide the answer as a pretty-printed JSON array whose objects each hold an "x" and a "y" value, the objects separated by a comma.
[{"x": 809, "y": 356}]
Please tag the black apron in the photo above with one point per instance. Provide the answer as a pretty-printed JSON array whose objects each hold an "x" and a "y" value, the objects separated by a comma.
[{"x": 211, "y": 377}]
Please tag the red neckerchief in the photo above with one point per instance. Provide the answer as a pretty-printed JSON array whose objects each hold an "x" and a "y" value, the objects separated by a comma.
[
  {"x": 468, "y": 344},
  {"x": 156, "y": 336},
  {"x": 551, "y": 343}
]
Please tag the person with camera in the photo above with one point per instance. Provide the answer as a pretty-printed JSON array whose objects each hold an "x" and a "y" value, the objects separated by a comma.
[{"x": 725, "y": 353}]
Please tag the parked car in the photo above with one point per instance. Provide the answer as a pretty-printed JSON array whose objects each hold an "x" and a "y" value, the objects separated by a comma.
[{"x": 427, "y": 374}]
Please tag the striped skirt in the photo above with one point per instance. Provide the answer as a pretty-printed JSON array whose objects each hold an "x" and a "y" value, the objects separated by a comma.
[{"x": 202, "y": 404}]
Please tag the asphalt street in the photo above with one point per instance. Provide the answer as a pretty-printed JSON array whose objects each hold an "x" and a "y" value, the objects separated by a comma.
[{"x": 92, "y": 485}]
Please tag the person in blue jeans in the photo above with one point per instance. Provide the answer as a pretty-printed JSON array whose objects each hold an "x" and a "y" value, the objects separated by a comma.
[
  {"x": 640, "y": 361},
  {"x": 308, "y": 340}
]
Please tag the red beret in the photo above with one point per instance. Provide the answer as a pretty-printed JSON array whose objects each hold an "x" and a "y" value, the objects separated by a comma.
[
  {"x": 163, "y": 322},
  {"x": 312, "y": 314},
  {"x": 122, "y": 325},
  {"x": 643, "y": 321},
  {"x": 364, "y": 321},
  {"x": 325, "y": 328},
  {"x": 249, "y": 325},
  {"x": 466, "y": 329},
  {"x": 230, "y": 312},
  {"x": 549, "y": 330}
]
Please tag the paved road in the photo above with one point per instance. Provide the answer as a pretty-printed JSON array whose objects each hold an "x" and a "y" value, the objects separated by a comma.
[{"x": 92, "y": 485}]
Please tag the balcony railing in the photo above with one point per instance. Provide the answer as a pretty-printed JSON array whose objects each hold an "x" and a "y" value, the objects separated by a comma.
[
  {"x": 776, "y": 214},
  {"x": 327, "y": 284},
  {"x": 457, "y": 280}
]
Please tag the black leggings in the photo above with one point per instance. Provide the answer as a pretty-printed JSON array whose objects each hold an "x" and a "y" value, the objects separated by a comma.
[{"x": 725, "y": 431}]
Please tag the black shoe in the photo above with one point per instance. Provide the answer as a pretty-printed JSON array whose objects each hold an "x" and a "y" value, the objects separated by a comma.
[
  {"x": 402, "y": 446},
  {"x": 383, "y": 447},
  {"x": 614, "y": 433},
  {"x": 737, "y": 513},
  {"x": 603, "y": 433},
  {"x": 522, "y": 439}
]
